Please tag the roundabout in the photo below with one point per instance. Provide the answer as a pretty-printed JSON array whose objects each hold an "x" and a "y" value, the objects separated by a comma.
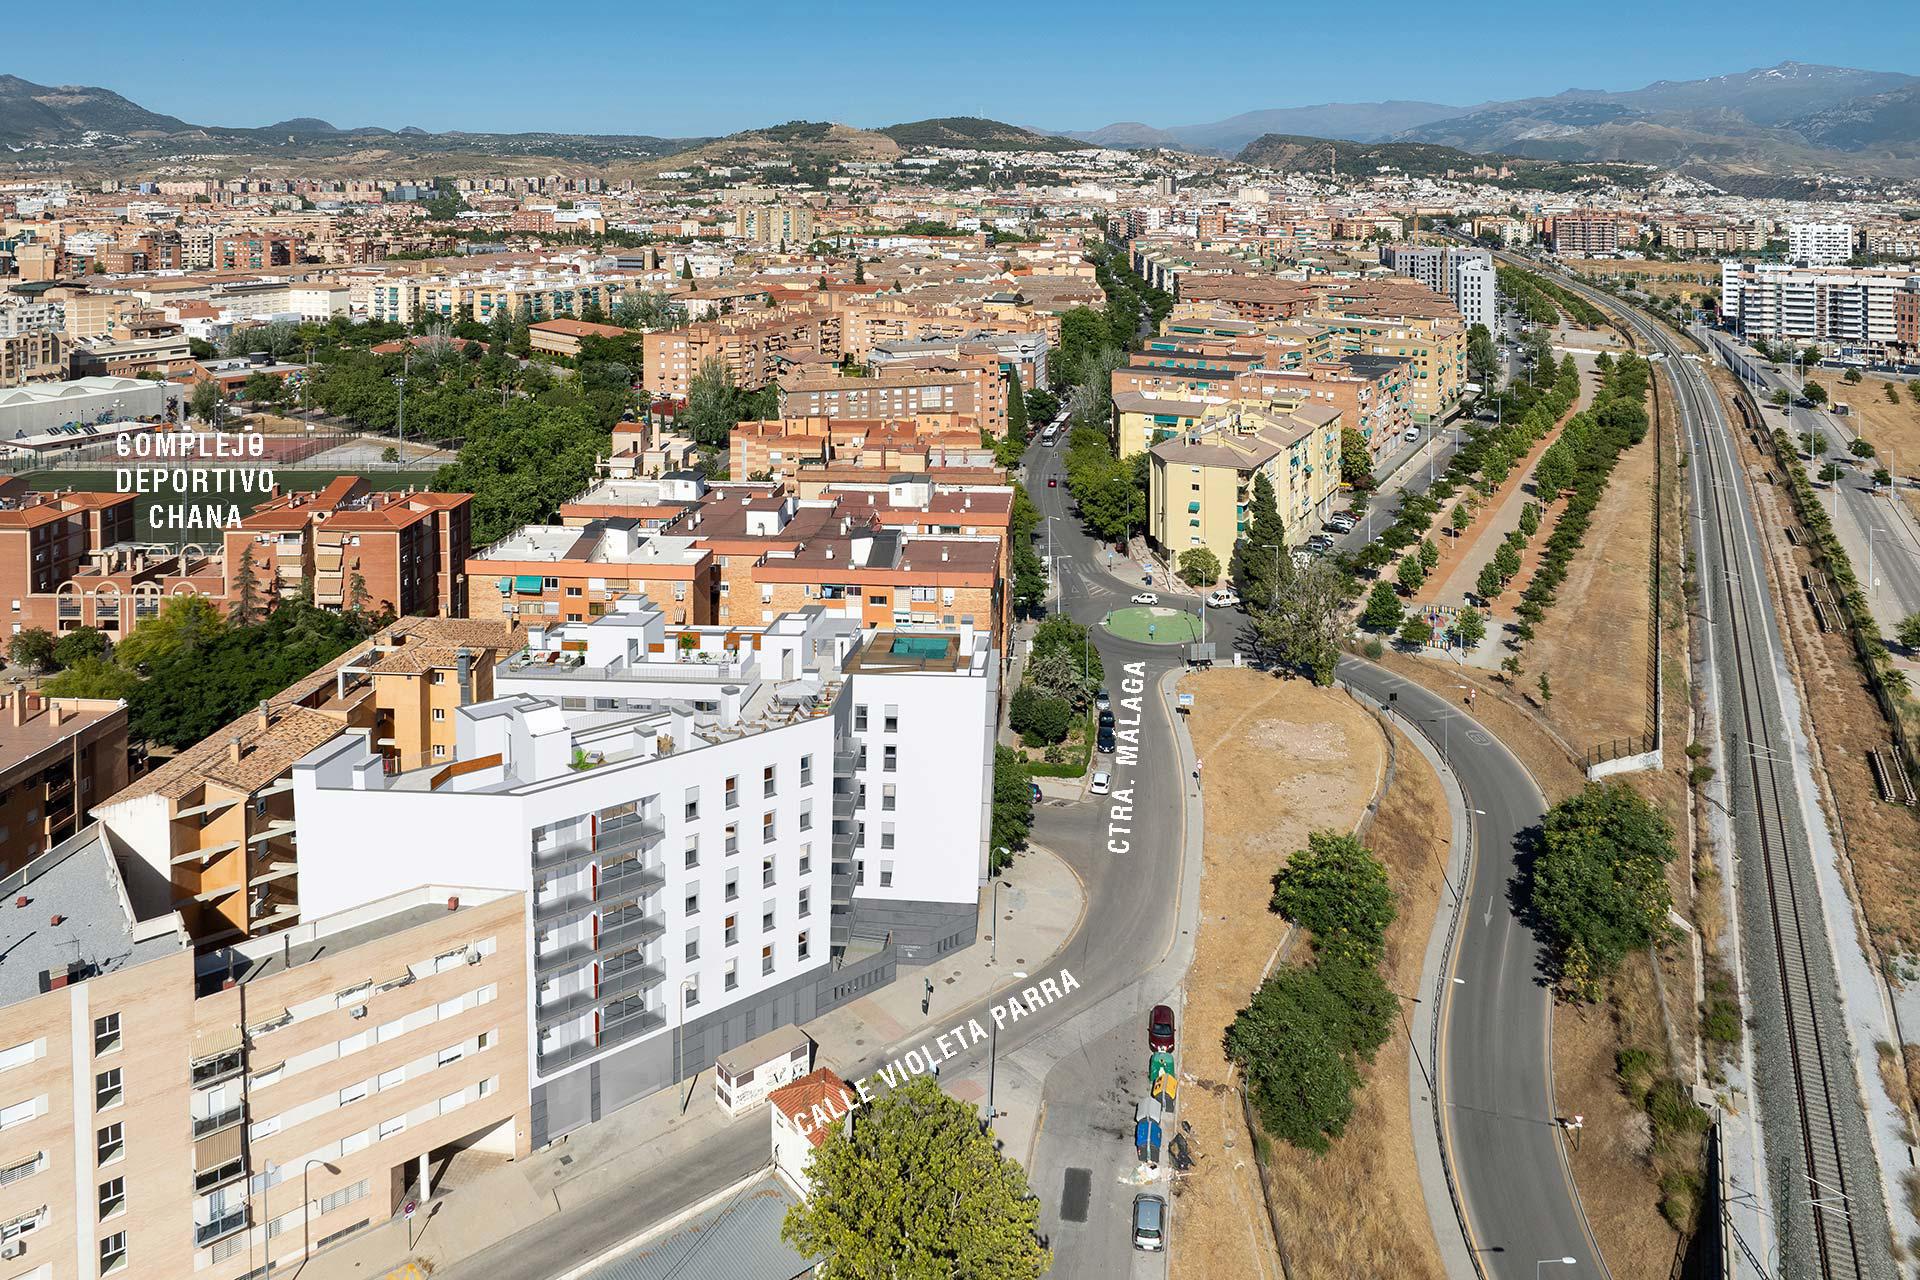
[{"x": 1153, "y": 624}]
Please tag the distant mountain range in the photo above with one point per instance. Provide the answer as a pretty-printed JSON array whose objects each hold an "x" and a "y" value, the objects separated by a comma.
[
  {"x": 1794, "y": 117},
  {"x": 1791, "y": 119}
]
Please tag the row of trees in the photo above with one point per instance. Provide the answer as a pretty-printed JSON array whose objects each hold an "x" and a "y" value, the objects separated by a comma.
[
  {"x": 1301, "y": 1039},
  {"x": 1598, "y": 888},
  {"x": 1299, "y": 611},
  {"x": 1542, "y": 300}
]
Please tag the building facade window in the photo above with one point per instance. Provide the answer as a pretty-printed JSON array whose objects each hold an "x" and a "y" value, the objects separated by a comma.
[{"x": 106, "y": 1033}]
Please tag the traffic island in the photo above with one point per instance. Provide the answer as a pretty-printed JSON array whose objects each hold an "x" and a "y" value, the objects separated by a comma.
[{"x": 1153, "y": 624}]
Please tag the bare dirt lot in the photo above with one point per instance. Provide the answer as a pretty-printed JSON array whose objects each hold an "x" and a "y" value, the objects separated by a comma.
[
  {"x": 1283, "y": 759},
  {"x": 1359, "y": 1211},
  {"x": 1592, "y": 646},
  {"x": 1684, "y": 280}
]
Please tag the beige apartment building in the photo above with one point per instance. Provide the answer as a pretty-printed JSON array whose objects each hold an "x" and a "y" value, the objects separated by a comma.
[
  {"x": 57, "y": 757},
  {"x": 1200, "y": 484},
  {"x": 167, "y": 1111}
]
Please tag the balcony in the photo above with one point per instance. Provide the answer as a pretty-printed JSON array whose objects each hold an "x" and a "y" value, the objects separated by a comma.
[
  {"x": 632, "y": 835},
  {"x": 629, "y": 880},
  {"x": 614, "y": 1032},
  {"x": 205, "y": 1233},
  {"x": 233, "y": 1115},
  {"x": 846, "y": 756},
  {"x": 613, "y": 984},
  {"x": 640, "y": 929},
  {"x": 843, "y": 805}
]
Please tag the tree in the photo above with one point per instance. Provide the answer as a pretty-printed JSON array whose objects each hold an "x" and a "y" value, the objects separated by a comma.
[
  {"x": 1598, "y": 888},
  {"x": 1483, "y": 357},
  {"x": 1308, "y": 625},
  {"x": 1490, "y": 582},
  {"x": 1470, "y": 629},
  {"x": 1058, "y": 673},
  {"x": 81, "y": 642},
  {"x": 1908, "y": 632},
  {"x": 1012, "y": 804},
  {"x": 32, "y": 648},
  {"x": 184, "y": 624},
  {"x": 1042, "y": 405},
  {"x": 1287, "y": 1042},
  {"x": 93, "y": 676},
  {"x": 1831, "y": 472},
  {"x": 1338, "y": 889},
  {"x": 1199, "y": 567},
  {"x": 915, "y": 1190},
  {"x": 712, "y": 408},
  {"x": 204, "y": 402},
  {"x": 1814, "y": 392},
  {"x": 1429, "y": 555},
  {"x": 1416, "y": 630},
  {"x": 1040, "y": 718},
  {"x": 1074, "y": 640},
  {"x": 247, "y": 582},
  {"x": 1851, "y": 377},
  {"x": 1356, "y": 463},
  {"x": 1860, "y": 448},
  {"x": 1411, "y": 573},
  {"x": 1383, "y": 611},
  {"x": 1462, "y": 517},
  {"x": 1259, "y": 562},
  {"x": 1781, "y": 397}
]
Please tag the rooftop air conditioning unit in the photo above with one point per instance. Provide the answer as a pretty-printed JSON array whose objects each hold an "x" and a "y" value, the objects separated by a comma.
[
  {"x": 474, "y": 957},
  {"x": 358, "y": 1011},
  {"x": 13, "y": 1248}
]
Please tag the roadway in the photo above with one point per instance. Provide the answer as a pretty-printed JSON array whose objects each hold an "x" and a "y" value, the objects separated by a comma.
[
  {"x": 1879, "y": 534},
  {"x": 1820, "y": 1149}
]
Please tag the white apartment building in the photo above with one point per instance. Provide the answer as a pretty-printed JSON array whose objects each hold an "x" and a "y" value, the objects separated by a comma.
[
  {"x": 1475, "y": 290},
  {"x": 722, "y": 830},
  {"x": 1819, "y": 244},
  {"x": 1464, "y": 275},
  {"x": 1840, "y": 305},
  {"x": 18, "y": 316}
]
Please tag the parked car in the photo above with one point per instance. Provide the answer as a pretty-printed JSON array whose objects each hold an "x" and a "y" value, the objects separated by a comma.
[
  {"x": 1222, "y": 599},
  {"x": 1036, "y": 791},
  {"x": 1410, "y": 434},
  {"x": 1106, "y": 717},
  {"x": 1160, "y": 1029},
  {"x": 1145, "y": 597},
  {"x": 1103, "y": 741},
  {"x": 1342, "y": 523},
  {"x": 1053, "y": 482},
  {"x": 1101, "y": 700},
  {"x": 1149, "y": 1223},
  {"x": 1102, "y": 782},
  {"x": 1318, "y": 544}
]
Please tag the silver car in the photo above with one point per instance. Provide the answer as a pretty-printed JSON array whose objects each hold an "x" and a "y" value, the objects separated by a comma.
[{"x": 1149, "y": 1223}]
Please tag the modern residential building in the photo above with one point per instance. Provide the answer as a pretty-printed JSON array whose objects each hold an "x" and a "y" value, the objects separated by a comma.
[
  {"x": 33, "y": 356},
  {"x": 1843, "y": 306},
  {"x": 1586, "y": 233},
  {"x": 1819, "y": 244},
  {"x": 221, "y": 1112},
  {"x": 774, "y": 224},
  {"x": 754, "y": 348},
  {"x": 1475, "y": 290},
  {"x": 58, "y": 756},
  {"x": 550, "y": 574},
  {"x": 977, "y": 387},
  {"x": 1465, "y": 275},
  {"x": 721, "y": 830},
  {"x": 1200, "y": 483}
]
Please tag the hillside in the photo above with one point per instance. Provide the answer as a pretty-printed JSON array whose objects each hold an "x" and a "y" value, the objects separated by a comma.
[
  {"x": 1293, "y": 153},
  {"x": 799, "y": 142},
  {"x": 32, "y": 113},
  {"x": 973, "y": 133}
]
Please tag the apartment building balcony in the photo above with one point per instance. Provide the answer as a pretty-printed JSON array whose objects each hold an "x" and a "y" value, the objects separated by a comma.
[
  {"x": 234, "y": 1219},
  {"x": 843, "y": 805},
  {"x": 614, "y": 1031},
  {"x": 614, "y": 983},
  {"x": 625, "y": 880},
  {"x": 233, "y": 1115},
  {"x": 639, "y": 929},
  {"x": 573, "y": 853},
  {"x": 846, "y": 756}
]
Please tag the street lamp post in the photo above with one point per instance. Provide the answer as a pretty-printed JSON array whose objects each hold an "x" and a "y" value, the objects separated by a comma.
[
  {"x": 306, "y": 1206},
  {"x": 1550, "y": 1262},
  {"x": 994, "y": 958},
  {"x": 679, "y": 1025}
]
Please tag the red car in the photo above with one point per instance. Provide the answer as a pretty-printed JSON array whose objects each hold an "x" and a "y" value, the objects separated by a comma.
[
  {"x": 1053, "y": 482},
  {"x": 1160, "y": 1029}
]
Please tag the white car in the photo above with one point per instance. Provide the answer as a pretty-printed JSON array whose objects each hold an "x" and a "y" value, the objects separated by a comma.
[
  {"x": 1222, "y": 599},
  {"x": 1102, "y": 783},
  {"x": 1145, "y": 597}
]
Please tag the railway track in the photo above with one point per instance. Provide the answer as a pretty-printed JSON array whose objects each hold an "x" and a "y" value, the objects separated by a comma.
[{"x": 1756, "y": 743}]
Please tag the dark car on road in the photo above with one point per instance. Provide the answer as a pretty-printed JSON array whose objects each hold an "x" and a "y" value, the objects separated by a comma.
[
  {"x": 1160, "y": 1029},
  {"x": 1104, "y": 742}
]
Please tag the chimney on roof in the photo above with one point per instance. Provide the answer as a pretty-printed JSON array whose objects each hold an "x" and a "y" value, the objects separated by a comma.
[
  {"x": 19, "y": 706},
  {"x": 235, "y": 751},
  {"x": 263, "y": 716}
]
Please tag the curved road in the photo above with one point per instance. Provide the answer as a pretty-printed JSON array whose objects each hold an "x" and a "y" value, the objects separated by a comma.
[{"x": 1495, "y": 1073}]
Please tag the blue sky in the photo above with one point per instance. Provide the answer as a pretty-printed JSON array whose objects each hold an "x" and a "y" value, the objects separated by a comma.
[{"x": 676, "y": 70}]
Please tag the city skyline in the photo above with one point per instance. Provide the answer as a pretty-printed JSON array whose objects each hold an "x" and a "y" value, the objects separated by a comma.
[{"x": 991, "y": 65}]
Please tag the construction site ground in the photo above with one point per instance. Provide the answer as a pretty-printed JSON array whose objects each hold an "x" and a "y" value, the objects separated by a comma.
[{"x": 1283, "y": 759}]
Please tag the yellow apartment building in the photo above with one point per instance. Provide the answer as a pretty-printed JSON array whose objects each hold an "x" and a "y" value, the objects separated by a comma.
[{"x": 1200, "y": 484}]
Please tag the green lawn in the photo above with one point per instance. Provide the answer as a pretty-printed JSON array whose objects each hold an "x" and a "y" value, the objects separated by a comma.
[{"x": 1154, "y": 624}]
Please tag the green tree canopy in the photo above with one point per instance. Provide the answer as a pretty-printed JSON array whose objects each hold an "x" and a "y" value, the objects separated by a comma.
[
  {"x": 1012, "y": 815},
  {"x": 32, "y": 647},
  {"x": 1289, "y": 1043},
  {"x": 1199, "y": 567},
  {"x": 1383, "y": 611},
  {"x": 1599, "y": 887},
  {"x": 917, "y": 1191},
  {"x": 1338, "y": 889}
]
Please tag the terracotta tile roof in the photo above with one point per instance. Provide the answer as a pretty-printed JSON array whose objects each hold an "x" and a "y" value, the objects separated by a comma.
[{"x": 821, "y": 1088}]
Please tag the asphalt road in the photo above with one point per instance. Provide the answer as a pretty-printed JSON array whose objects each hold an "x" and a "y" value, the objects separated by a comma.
[
  {"x": 1867, "y": 510},
  {"x": 1085, "y": 1155}
]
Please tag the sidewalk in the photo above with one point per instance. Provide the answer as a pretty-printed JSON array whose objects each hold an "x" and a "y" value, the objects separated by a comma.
[{"x": 1037, "y": 916}]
